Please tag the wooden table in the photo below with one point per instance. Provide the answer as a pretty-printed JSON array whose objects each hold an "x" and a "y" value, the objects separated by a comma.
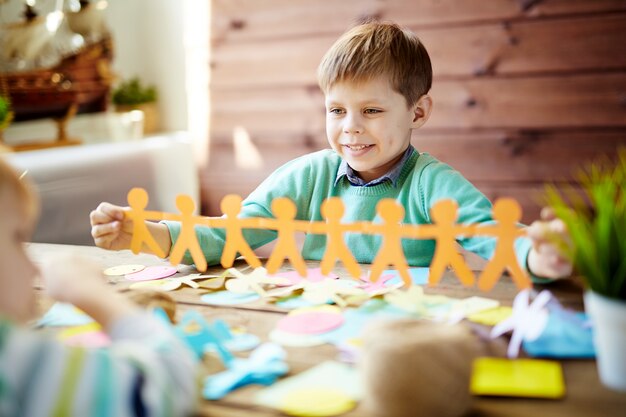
[{"x": 585, "y": 395}]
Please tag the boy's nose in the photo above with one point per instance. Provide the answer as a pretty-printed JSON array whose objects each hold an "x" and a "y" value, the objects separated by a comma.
[{"x": 352, "y": 125}]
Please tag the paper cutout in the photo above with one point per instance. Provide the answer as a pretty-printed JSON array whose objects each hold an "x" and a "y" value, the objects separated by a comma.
[
  {"x": 445, "y": 232},
  {"x": 286, "y": 248},
  {"x": 293, "y": 301},
  {"x": 120, "y": 270},
  {"x": 152, "y": 272},
  {"x": 331, "y": 290},
  {"x": 312, "y": 275},
  {"x": 166, "y": 284},
  {"x": 390, "y": 252},
  {"x": 64, "y": 314},
  {"x": 310, "y": 323},
  {"x": 227, "y": 298},
  {"x": 566, "y": 335},
  {"x": 517, "y": 378},
  {"x": 527, "y": 321},
  {"x": 329, "y": 375},
  {"x": 235, "y": 242},
  {"x": 467, "y": 306},
  {"x": 246, "y": 283},
  {"x": 264, "y": 366},
  {"x": 187, "y": 240},
  {"x": 506, "y": 213},
  {"x": 138, "y": 201},
  {"x": 316, "y": 402},
  {"x": 336, "y": 249},
  {"x": 492, "y": 316}
]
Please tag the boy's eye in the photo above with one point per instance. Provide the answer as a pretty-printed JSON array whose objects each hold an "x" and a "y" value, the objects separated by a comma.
[
  {"x": 372, "y": 111},
  {"x": 335, "y": 111}
]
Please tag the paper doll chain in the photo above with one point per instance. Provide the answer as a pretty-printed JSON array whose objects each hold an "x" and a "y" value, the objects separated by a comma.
[{"x": 444, "y": 231}]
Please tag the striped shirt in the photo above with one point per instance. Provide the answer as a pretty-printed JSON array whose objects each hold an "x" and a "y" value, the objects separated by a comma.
[{"x": 147, "y": 371}]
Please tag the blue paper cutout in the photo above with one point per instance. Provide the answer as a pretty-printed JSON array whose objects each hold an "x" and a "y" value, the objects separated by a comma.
[
  {"x": 419, "y": 276},
  {"x": 264, "y": 366},
  {"x": 64, "y": 314},
  {"x": 566, "y": 335},
  {"x": 223, "y": 298}
]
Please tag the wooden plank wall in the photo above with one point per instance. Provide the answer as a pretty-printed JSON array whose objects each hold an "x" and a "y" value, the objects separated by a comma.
[{"x": 524, "y": 90}]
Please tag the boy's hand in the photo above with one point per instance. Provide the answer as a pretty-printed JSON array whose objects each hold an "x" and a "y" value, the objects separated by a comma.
[
  {"x": 79, "y": 281},
  {"x": 545, "y": 260},
  {"x": 71, "y": 279},
  {"x": 109, "y": 229}
]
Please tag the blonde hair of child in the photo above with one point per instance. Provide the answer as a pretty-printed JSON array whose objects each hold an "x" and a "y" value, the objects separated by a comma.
[
  {"x": 377, "y": 49},
  {"x": 12, "y": 186}
]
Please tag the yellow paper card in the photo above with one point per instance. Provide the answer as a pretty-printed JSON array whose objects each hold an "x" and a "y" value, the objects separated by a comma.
[
  {"x": 517, "y": 378},
  {"x": 492, "y": 316}
]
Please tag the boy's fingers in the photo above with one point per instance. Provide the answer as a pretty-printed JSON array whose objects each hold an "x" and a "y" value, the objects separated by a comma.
[
  {"x": 100, "y": 231},
  {"x": 105, "y": 212}
]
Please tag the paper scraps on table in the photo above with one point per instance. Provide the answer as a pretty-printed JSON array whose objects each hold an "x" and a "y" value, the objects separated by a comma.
[
  {"x": 334, "y": 386},
  {"x": 331, "y": 290},
  {"x": 123, "y": 270},
  {"x": 517, "y": 378},
  {"x": 63, "y": 314},
  {"x": 264, "y": 366},
  {"x": 87, "y": 335},
  {"x": 152, "y": 272}
]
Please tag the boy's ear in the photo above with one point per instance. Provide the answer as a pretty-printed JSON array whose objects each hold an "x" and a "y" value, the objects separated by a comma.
[{"x": 421, "y": 110}]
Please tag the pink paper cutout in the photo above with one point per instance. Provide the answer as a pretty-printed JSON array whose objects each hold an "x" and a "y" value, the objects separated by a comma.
[
  {"x": 312, "y": 275},
  {"x": 152, "y": 272},
  {"x": 372, "y": 287},
  {"x": 310, "y": 323}
]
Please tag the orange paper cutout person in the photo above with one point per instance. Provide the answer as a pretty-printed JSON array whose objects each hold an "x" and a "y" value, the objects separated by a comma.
[
  {"x": 235, "y": 242},
  {"x": 187, "y": 239},
  {"x": 391, "y": 252},
  {"x": 507, "y": 212},
  {"x": 444, "y": 231},
  {"x": 285, "y": 211},
  {"x": 336, "y": 249},
  {"x": 138, "y": 200}
]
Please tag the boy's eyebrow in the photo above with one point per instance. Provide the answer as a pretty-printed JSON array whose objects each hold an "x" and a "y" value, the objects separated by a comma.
[{"x": 372, "y": 100}]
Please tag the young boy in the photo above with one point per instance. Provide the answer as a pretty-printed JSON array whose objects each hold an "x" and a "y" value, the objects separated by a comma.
[
  {"x": 147, "y": 370},
  {"x": 376, "y": 79}
]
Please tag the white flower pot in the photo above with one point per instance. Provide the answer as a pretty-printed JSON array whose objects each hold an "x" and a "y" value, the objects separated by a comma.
[{"x": 609, "y": 323}]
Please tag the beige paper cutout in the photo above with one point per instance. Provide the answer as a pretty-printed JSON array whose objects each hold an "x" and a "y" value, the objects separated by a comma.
[
  {"x": 286, "y": 248},
  {"x": 233, "y": 225},
  {"x": 507, "y": 212},
  {"x": 392, "y": 231},
  {"x": 336, "y": 249},
  {"x": 445, "y": 231},
  {"x": 138, "y": 200},
  {"x": 187, "y": 239}
]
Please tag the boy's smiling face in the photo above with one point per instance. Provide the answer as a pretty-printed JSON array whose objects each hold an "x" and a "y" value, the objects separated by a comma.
[
  {"x": 17, "y": 297},
  {"x": 369, "y": 124}
]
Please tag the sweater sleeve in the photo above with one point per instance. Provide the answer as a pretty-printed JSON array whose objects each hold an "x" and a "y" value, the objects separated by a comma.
[
  {"x": 292, "y": 180},
  {"x": 146, "y": 371},
  {"x": 439, "y": 181}
]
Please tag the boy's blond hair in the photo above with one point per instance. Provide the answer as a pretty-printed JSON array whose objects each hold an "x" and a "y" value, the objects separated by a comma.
[
  {"x": 373, "y": 49},
  {"x": 11, "y": 186}
]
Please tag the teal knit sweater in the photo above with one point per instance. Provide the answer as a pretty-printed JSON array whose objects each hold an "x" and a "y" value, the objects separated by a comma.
[{"x": 310, "y": 179}]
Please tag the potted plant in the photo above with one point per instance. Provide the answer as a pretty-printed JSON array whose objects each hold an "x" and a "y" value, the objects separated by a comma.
[
  {"x": 596, "y": 222},
  {"x": 6, "y": 115},
  {"x": 134, "y": 95}
]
